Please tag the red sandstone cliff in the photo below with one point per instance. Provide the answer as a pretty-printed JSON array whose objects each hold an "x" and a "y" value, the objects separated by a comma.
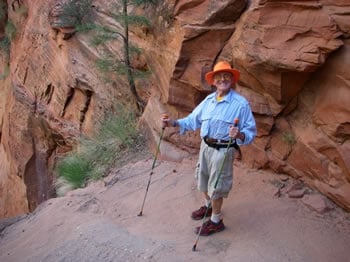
[{"x": 293, "y": 57}]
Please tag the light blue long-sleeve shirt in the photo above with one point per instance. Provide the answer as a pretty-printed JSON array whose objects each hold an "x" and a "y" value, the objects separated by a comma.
[{"x": 215, "y": 118}]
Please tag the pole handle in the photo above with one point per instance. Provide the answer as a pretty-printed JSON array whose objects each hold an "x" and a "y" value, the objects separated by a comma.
[
  {"x": 164, "y": 116},
  {"x": 235, "y": 122}
]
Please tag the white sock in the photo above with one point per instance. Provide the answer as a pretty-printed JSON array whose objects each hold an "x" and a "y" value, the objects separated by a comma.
[
  {"x": 215, "y": 217},
  {"x": 207, "y": 202}
]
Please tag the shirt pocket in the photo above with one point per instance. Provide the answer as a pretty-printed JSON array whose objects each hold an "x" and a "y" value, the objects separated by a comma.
[
  {"x": 205, "y": 119},
  {"x": 221, "y": 127},
  {"x": 205, "y": 116}
]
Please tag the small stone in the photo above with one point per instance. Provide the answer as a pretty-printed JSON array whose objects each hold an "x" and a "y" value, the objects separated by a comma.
[
  {"x": 284, "y": 178},
  {"x": 317, "y": 203},
  {"x": 298, "y": 193}
]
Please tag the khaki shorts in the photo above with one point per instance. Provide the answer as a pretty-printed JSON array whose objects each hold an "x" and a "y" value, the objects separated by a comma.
[{"x": 208, "y": 168}]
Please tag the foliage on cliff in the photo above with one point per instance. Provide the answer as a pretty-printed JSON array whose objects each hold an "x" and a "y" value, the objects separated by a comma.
[{"x": 94, "y": 155}]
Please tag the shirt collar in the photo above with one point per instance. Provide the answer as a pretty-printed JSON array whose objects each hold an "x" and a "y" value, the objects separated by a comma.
[{"x": 226, "y": 98}]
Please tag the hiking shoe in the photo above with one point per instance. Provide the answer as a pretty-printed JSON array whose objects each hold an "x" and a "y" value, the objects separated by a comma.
[
  {"x": 210, "y": 227},
  {"x": 199, "y": 213}
]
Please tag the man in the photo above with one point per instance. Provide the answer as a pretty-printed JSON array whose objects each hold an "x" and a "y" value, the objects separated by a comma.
[{"x": 215, "y": 117}]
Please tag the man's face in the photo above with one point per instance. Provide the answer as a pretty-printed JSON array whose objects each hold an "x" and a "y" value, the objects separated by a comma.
[{"x": 223, "y": 81}]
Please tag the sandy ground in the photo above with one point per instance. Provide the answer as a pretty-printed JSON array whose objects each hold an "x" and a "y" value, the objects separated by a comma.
[{"x": 100, "y": 222}]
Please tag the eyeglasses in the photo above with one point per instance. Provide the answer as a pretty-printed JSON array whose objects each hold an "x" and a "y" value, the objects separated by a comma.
[{"x": 226, "y": 76}]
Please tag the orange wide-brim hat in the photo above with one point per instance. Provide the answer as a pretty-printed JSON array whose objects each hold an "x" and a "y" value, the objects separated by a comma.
[{"x": 222, "y": 66}]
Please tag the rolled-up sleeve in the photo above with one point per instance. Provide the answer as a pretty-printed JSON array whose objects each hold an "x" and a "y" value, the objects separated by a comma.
[
  {"x": 247, "y": 125},
  {"x": 192, "y": 121}
]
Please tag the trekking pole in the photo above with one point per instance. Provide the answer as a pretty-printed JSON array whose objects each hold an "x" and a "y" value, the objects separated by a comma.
[
  {"x": 150, "y": 175},
  {"x": 236, "y": 121}
]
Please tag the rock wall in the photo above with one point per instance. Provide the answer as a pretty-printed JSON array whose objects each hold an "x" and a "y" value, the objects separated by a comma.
[
  {"x": 293, "y": 58},
  {"x": 52, "y": 94},
  {"x": 293, "y": 61}
]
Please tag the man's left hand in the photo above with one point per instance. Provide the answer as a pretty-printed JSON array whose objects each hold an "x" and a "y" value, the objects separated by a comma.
[{"x": 234, "y": 133}]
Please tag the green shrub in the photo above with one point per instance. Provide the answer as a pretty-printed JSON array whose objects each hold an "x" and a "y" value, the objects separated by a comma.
[
  {"x": 75, "y": 13},
  {"x": 10, "y": 30},
  {"x": 74, "y": 169},
  {"x": 5, "y": 44},
  {"x": 289, "y": 138},
  {"x": 10, "y": 33},
  {"x": 5, "y": 73},
  {"x": 95, "y": 155},
  {"x": 123, "y": 127}
]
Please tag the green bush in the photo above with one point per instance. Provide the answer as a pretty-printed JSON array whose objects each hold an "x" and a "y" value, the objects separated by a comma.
[
  {"x": 10, "y": 33},
  {"x": 5, "y": 73},
  {"x": 75, "y": 13},
  {"x": 5, "y": 44},
  {"x": 95, "y": 155},
  {"x": 74, "y": 169},
  {"x": 289, "y": 138},
  {"x": 10, "y": 30}
]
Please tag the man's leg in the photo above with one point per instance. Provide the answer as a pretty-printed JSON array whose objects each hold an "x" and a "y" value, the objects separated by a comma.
[
  {"x": 203, "y": 210},
  {"x": 206, "y": 196},
  {"x": 214, "y": 224},
  {"x": 216, "y": 205}
]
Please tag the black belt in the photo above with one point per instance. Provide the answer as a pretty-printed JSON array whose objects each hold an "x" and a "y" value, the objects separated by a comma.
[
  {"x": 218, "y": 143},
  {"x": 215, "y": 141}
]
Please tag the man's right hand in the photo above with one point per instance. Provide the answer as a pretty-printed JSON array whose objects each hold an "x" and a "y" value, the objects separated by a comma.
[{"x": 165, "y": 120}]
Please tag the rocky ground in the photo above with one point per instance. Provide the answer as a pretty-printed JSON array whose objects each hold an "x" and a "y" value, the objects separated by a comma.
[{"x": 100, "y": 222}]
